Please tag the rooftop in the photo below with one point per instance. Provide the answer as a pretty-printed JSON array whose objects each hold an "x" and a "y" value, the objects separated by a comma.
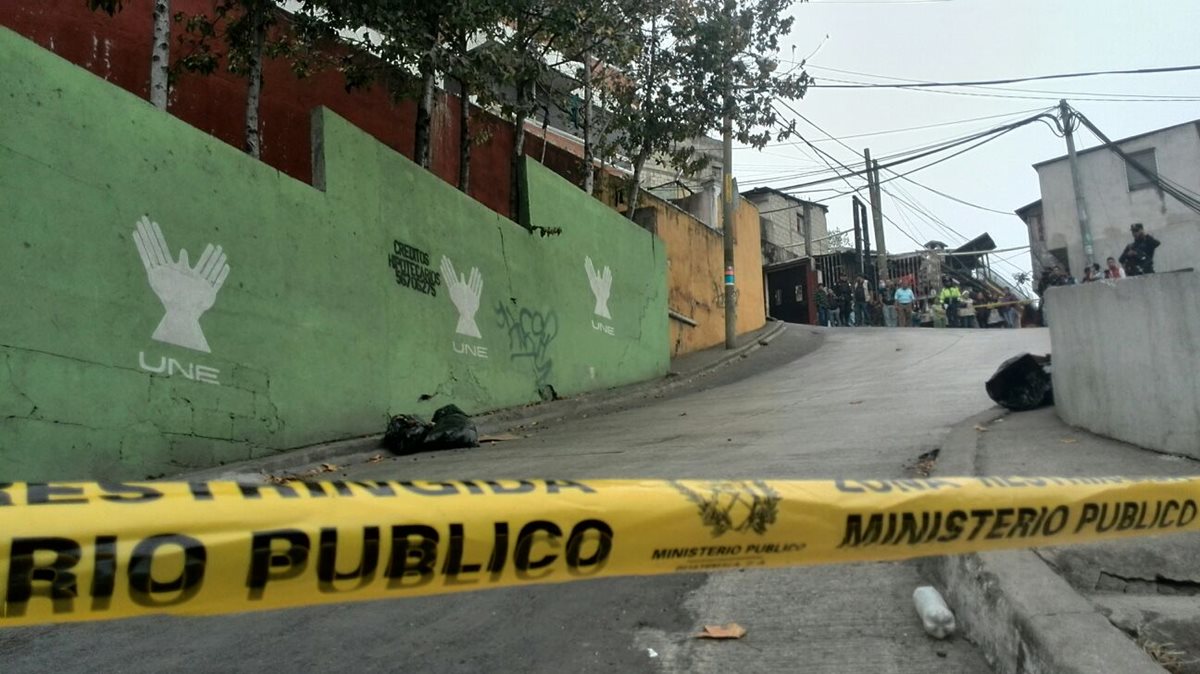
[
  {"x": 1028, "y": 208},
  {"x": 771, "y": 190},
  {"x": 1194, "y": 123}
]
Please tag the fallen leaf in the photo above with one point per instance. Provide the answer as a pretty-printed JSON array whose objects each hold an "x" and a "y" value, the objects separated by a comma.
[
  {"x": 1069, "y": 441},
  {"x": 730, "y": 631},
  {"x": 683, "y": 414},
  {"x": 376, "y": 459},
  {"x": 498, "y": 437},
  {"x": 856, "y": 402},
  {"x": 981, "y": 429},
  {"x": 328, "y": 467}
]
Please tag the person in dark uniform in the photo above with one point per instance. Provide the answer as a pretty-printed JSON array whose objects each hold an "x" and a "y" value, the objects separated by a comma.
[{"x": 1138, "y": 258}]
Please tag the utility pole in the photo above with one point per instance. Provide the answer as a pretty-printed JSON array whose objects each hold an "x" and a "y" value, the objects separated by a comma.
[
  {"x": 864, "y": 261},
  {"x": 808, "y": 230},
  {"x": 877, "y": 213},
  {"x": 859, "y": 226},
  {"x": 1085, "y": 228},
  {"x": 727, "y": 193}
]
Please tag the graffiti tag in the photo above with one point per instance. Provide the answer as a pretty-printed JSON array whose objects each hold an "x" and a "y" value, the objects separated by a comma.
[{"x": 530, "y": 334}]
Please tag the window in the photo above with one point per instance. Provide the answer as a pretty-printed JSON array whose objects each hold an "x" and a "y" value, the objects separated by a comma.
[{"x": 1136, "y": 178}]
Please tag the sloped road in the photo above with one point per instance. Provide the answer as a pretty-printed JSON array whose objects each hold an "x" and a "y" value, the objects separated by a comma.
[{"x": 864, "y": 404}]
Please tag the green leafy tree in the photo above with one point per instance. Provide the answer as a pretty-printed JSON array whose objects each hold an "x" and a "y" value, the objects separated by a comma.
[
  {"x": 606, "y": 40},
  {"x": 647, "y": 115},
  {"x": 541, "y": 37},
  {"x": 411, "y": 43},
  {"x": 730, "y": 48},
  {"x": 699, "y": 60},
  {"x": 239, "y": 29}
]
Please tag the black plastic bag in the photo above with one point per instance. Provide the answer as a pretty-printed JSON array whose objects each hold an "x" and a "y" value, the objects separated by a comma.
[
  {"x": 452, "y": 428},
  {"x": 1022, "y": 383},
  {"x": 406, "y": 434}
]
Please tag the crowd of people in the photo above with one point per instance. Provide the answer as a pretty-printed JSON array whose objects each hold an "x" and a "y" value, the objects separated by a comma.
[
  {"x": 1136, "y": 260},
  {"x": 896, "y": 304}
]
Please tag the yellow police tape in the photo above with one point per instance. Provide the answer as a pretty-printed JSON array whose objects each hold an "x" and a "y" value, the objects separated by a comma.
[{"x": 94, "y": 551}]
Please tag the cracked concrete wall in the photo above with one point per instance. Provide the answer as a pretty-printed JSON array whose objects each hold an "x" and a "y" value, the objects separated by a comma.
[
  {"x": 1126, "y": 357},
  {"x": 335, "y": 310}
]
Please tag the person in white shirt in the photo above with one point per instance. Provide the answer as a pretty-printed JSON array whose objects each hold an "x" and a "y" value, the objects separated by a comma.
[{"x": 1114, "y": 270}]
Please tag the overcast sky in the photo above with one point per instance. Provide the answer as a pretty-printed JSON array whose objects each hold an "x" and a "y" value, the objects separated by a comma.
[{"x": 958, "y": 40}]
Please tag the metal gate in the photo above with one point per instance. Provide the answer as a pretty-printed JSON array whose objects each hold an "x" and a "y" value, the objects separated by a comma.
[{"x": 789, "y": 292}]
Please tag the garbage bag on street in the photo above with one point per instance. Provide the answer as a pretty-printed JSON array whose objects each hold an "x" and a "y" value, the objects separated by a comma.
[
  {"x": 405, "y": 434},
  {"x": 1022, "y": 383},
  {"x": 452, "y": 428}
]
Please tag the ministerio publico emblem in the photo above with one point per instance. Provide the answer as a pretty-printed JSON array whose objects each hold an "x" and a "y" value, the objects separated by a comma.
[{"x": 738, "y": 506}]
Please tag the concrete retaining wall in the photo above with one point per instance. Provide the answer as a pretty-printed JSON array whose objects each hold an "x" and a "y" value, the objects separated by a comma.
[
  {"x": 1127, "y": 359},
  {"x": 326, "y": 309}
]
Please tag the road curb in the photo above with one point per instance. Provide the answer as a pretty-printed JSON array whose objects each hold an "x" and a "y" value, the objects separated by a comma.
[
  {"x": 1023, "y": 615},
  {"x": 598, "y": 402}
]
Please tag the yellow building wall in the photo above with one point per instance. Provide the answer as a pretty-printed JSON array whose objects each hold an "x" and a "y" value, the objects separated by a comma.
[{"x": 696, "y": 271}]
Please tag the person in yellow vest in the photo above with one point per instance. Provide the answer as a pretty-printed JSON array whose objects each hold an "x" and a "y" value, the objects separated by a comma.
[{"x": 949, "y": 299}]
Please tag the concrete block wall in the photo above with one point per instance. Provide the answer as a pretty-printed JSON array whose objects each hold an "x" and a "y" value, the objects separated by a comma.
[
  {"x": 325, "y": 308},
  {"x": 1126, "y": 358}
]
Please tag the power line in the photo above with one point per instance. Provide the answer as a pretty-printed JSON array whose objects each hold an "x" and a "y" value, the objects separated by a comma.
[
  {"x": 1183, "y": 195},
  {"x": 1047, "y": 96},
  {"x": 937, "y": 145},
  {"x": 1007, "y": 80},
  {"x": 1070, "y": 94},
  {"x": 911, "y": 128},
  {"x": 919, "y": 210},
  {"x": 824, "y": 155},
  {"x": 956, "y": 199},
  {"x": 926, "y": 187},
  {"x": 986, "y": 139}
]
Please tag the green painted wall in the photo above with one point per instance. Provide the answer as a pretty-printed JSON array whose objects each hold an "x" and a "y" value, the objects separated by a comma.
[{"x": 311, "y": 335}]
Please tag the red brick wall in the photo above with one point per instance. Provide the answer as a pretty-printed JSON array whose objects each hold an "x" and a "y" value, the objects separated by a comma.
[{"x": 117, "y": 48}]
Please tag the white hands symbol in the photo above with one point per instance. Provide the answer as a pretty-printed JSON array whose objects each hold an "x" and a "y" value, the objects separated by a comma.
[
  {"x": 186, "y": 292},
  {"x": 601, "y": 287},
  {"x": 465, "y": 296}
]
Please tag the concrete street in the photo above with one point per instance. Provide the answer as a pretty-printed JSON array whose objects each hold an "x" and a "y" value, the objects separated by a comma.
[{"x": 864, "y": 404}]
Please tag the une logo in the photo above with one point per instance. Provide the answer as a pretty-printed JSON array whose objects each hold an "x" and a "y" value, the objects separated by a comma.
[
  {"x": 186, "y": 292},
  {"x": 470, "y": 350},
  {"x": 170, "y": 367}
]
